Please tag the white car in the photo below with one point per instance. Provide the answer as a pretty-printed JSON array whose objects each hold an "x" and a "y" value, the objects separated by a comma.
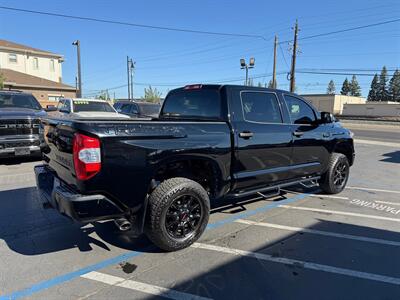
[{"x": 88, "y": 108}]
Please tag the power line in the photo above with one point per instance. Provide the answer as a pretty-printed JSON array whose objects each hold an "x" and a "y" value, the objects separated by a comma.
[
  {"x": 344, "y": 30},
  {"x": 356, "y": 70},
  {"x": 283, "y": 55},
  {"x": 46, "y": 13},
  {"x": 336, "y": 73}
]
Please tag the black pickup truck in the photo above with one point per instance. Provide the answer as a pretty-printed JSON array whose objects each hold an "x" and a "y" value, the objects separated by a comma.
[
  {"x": 20, "y": 115},
  {"x": 209, "y": 142}
]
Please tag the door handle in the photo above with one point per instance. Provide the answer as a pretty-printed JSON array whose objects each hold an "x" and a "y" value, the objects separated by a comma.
[
  {"x": 246, "y": 134},
  {"x": 298, "y": 133},
  {"x": 326, "y": 134}
]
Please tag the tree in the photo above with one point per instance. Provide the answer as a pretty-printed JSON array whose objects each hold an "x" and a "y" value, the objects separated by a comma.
[
  {"x": 104, "y": 95},
  {"x": 394, "y": 86},
  {"x": 250, "y": 83},
  {"x": 151, "y": 95},
  {"x": 1, "y": 81},
  {"x": 271, "y": 86},
  {"x": 383, "y": 94},
  {"x": 345, "y": 87},
  {"x": 355, "y": 89},
  {"x": 373, "y": 92},
  {"x": 331, "y": 89}
]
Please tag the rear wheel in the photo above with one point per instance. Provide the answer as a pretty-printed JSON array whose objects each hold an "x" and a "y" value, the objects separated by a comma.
[
  {"x": 334, "y": 180},
  {"x": 178, "y": 213}
]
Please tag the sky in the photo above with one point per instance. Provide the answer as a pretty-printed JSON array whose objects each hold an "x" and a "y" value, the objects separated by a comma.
[{"x": 168, "y": 59}]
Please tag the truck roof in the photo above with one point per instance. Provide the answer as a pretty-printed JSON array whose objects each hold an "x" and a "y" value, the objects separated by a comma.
[{"x": 220, "y": 86}]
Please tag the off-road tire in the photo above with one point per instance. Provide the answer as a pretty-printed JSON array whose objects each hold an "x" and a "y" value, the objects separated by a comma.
[
  {"x": 159, "y": 202},
  {"x": 326, "y": 182}
]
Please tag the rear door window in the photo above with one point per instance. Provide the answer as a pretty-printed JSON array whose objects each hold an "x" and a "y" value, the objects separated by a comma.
[{"x": 260, "y": 107}]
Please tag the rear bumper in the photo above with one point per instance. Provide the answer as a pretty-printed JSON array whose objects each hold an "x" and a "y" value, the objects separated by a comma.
[{"x": 80, "y": 208}]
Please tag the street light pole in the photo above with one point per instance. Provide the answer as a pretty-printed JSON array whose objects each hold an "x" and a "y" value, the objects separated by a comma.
[
  {"x": 77, "y": 43},
  {"x": 244, "y": 65},
  {"x": 247, "y": 74}
]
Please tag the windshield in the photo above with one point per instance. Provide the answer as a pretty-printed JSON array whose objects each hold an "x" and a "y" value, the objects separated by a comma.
[
  {"x": 81, "y": 106},
  {"x": 200, "y": 103},
  {"x": 150, "y": 109},
  {"x": 22, "y": 101}
]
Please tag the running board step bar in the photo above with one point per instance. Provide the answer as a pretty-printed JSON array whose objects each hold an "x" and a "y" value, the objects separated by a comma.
[{"x": 275, "y": 190}]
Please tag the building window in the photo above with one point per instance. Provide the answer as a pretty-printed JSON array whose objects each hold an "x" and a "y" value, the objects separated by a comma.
[
  {"x": 54, "y": 97},
  {"x": 35, "y": 63},
  {"x": 12, "y": 58},
  {"x": 52, "y": 66}
]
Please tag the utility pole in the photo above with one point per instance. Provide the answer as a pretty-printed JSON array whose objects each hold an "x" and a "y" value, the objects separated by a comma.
[
  {"x": 129, "y": 77},
  {"x": 77, "y": 43},
  {"x": 274, "y": 67},
  {"x": 293, "y": 68},
  {"x": 132, "y": 69}
]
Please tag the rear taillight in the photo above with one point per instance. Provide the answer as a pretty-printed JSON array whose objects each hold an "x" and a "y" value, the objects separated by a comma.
[{"x": 87, "y": 156}]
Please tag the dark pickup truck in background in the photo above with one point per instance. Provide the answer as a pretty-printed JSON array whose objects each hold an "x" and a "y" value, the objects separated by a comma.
[
  {"x": 20, "y": 115},
  {"x": 209, "y": 142}
]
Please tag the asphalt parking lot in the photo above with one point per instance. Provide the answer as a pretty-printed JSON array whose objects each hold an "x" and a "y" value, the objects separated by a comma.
[{"x": 301, "y": 245}]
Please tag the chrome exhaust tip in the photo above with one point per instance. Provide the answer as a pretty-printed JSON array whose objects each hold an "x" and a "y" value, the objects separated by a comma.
[{"x": 123, "y": 224}]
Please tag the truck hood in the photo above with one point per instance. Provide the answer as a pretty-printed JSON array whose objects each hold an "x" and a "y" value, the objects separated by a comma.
[
  {"x": 20, "y": 112},
  {"x": 99, "y": 114}
]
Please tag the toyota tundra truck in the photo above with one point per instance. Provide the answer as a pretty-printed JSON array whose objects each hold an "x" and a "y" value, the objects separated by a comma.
[{"x": 209, "y": 142}]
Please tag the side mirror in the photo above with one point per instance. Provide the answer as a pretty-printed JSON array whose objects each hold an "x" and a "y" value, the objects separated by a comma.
[
  {"x": 327, "y": 117},
  {"x": 64, "y": 110},
  {"x": 50, "y": 108}
]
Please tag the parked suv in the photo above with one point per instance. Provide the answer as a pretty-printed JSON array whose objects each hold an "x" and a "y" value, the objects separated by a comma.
[
  {"x": 20, "y": 115},
  {"x": 138, "y": 109}
]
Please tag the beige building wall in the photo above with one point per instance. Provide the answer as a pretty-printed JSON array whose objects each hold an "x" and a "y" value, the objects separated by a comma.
[
  {"x": 332, "y": 103},
  {"x": 43, "y": 66},
  {"x": 373, "y": 109}
]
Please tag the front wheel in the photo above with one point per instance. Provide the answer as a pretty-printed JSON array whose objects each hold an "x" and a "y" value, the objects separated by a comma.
[
  {"x": 178, "y": 213},
  {"x": 334, "y": 180}
]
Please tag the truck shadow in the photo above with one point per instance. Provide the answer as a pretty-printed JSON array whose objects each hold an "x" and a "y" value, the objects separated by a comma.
[
  {"x": 274, "y": 277},
  {"x": 19, "y": 160},
  {"x": 393, "y": 157},
  {"x": 29, "y": 228}
]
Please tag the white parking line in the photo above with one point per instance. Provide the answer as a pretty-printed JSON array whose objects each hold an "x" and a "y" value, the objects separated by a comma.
[
  {"x": 319, "y": 232},
  {"x": 371, "y": 142},
  {"x": 385, "y": 202},
  {"x": 299, "y": 263},
  {"x": 369, "y": 189},
  {"x": 340, "y": 213},
  {"x": 140, "y": 286},
  {"x": 319, "y": 196}
]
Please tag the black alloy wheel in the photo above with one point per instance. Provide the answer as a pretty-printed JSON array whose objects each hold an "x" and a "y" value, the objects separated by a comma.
[
  {"x": 340, "y": 174},
  {"x": 177, "y": 213},
  {"x": 183, "y": 216},
  {"x": 335, "y": 178}
]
